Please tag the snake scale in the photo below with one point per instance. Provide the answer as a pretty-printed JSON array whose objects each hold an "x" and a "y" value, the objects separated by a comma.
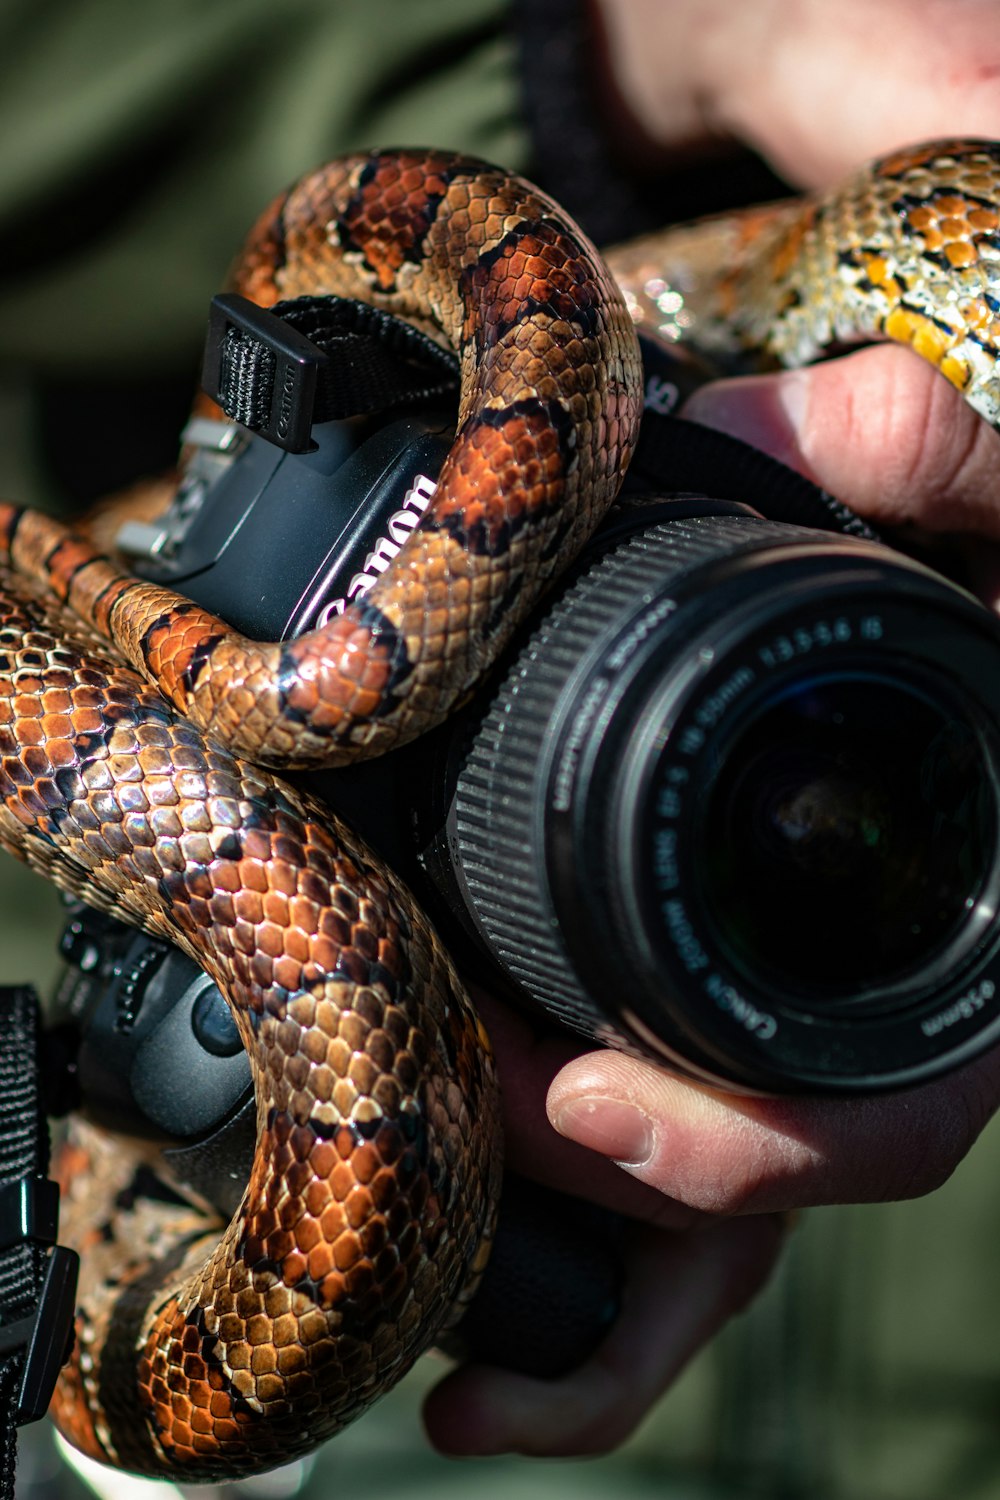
[{"x": 135, "y": 729}]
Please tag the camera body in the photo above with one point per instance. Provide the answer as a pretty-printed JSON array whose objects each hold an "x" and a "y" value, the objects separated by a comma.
[{"x": 729, "y": 802}]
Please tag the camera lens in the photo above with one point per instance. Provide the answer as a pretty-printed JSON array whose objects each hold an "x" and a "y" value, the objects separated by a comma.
[
  {"x": 844, "y": 835},
  {"x": 735, "y": 806}
]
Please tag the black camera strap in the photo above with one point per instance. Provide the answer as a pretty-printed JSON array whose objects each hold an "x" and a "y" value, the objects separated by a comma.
[
  {"x": 37, "y": 1277},
  {"x": 278, "y": 371},
  {"x": 676, "y": 456},
  {"x": 317, "y": 359}
]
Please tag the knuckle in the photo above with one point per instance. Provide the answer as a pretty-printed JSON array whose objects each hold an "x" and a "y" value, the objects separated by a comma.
[
  {"x": 894, "y": 439},
  {"x": 945, "y": 454},
  {"x": 932, "y": 1137}
]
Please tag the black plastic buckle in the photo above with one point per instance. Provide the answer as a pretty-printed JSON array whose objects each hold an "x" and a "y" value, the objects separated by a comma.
[
  {"x": 29, "y": 1210},
  {"x": 262, "y": 372}
]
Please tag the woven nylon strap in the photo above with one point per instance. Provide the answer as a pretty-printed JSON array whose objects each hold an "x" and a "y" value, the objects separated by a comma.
[
  {"x": 37, "y": 1281},
  {"x": 279, "y": 371},
  {"x": 24, "y": 1151}
]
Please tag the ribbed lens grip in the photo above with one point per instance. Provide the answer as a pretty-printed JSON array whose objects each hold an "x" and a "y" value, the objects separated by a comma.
[{"x": 498, "y": 842}]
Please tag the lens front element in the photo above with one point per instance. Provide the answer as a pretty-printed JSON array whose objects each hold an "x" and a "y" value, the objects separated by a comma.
[
  {"x": 736, "y": 806},
  {"x": 845, "y": 835},
  {"x": 815, "y": 832}
]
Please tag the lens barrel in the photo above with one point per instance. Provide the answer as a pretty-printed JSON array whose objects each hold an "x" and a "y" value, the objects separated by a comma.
[{"x": 735, "y": 806}]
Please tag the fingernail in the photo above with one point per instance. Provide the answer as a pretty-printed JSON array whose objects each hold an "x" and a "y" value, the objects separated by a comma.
[{"x": 609, "y": 1126}]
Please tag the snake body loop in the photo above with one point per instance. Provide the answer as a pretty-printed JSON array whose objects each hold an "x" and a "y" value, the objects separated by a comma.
[
  {"x": 133, "y": 729},
  {"x": 909, "y": 250}
]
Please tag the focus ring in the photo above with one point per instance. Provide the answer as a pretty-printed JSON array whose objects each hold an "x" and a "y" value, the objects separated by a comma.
[{"x": 497, "y": 835}]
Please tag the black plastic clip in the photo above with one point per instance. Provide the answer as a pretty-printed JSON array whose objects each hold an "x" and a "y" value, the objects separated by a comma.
[
  {"x": 29, "y": 1212},
  {"x": 262, "y": 372}
]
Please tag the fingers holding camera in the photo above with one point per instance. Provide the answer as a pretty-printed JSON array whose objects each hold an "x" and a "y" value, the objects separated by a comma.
[
  {"x": 704, "y": 1176},
  {"x": 725, "y": 1154},
  {"x": 528, "y": 1061},
  {"x": 680, "y": 1288},
  {"x": 882, "y": 431}
]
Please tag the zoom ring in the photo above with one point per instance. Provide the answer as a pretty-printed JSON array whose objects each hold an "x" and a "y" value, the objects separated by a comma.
[{"x": 499, "y": 842}]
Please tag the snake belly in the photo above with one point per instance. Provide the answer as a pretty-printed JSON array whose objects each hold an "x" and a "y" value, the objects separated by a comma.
[{"x": 134, "y": 728}]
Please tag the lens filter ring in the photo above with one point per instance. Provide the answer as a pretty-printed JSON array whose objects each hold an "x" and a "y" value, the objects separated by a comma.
[{"x": 812, "y": 855}]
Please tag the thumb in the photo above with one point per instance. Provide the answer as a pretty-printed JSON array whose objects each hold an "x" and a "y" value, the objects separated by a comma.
[{"x": 879, "y": 429}]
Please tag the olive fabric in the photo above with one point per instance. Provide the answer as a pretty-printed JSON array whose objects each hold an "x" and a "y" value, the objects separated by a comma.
[{"x": 143, "y": 140}]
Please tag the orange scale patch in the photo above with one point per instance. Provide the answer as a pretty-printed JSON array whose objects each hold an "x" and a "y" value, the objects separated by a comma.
[
  {"x": 365, "y": 1162},
  {"x": 284, "y": 880},
  {"x": 256, "y": 845},
  {"x": 961, "y": 254},
  {"x": 253, "y": 877},
  {"x": 263, "y": 1361},
  {"x": 303, "y": 913},
  {"x": 248, "y": 906},
  {"x": 60, "y": 726},
  {"x": 320, "y": 1261},
  {"x": 358, "y": 1207},
  {"x": 342, "y": 1181},
  {"x": 333, "y": 1222},
  {"x": 308, "y": 1234},
  {"x": 313, "y": 1045},
  {"x": 324, "y": 1158},
  {"x": 270, "y": 939},
  {"x": 287, "y": 972},
  {"x": 387, "y": 218},
  {"x": 293, "y": 1268},
  {"x": 317, "y": 1202},
  {"x": 346, "y": 1253},
  {"x": 489, "y": 495},
  {"x": 354, "y": 677},
  {"x": 31, "y": 732},
  {"x": 221, "y": 910},
  {"x": 262, "y": 970},
  {"x": 950, "y": 204},
  {"x": 325, "y": 954}
]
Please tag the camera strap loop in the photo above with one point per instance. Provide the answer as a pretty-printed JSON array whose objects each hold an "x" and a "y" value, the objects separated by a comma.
[
  {"x": 37, "y": 1277},
  {"x": 317, "y": 359}
]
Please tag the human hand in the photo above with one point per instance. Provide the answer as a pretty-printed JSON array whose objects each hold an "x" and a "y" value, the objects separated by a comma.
[
  {"x": 706, "y": 1175},
  {"x": 819, "y": 90},
  {"x": 707, "y": 1182},
  {"x": 815, "y": 88},
  {"x": 685, "y": 1273}
]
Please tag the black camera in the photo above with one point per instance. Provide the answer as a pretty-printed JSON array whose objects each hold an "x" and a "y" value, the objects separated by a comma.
[{"x": 731, "y": 800}]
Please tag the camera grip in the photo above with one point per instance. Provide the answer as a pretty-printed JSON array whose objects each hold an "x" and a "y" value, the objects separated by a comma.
[{"x": 552, "y": 1288}]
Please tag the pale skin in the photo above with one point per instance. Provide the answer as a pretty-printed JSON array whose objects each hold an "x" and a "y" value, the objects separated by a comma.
[{"x": 817, "y": 89}]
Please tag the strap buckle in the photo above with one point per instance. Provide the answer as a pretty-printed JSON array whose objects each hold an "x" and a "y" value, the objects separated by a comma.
[
  {"x": 262, "y": 372},
  {"x": 29, "y": 1211}
]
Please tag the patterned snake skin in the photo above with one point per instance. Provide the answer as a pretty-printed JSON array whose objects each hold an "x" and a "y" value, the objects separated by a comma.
[
  {"x": 909, "y": 250},
  {"x": 133, "y": 726}
]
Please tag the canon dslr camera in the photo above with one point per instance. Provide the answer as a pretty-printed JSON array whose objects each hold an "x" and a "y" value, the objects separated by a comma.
[{"x": 731, "y": 802}]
